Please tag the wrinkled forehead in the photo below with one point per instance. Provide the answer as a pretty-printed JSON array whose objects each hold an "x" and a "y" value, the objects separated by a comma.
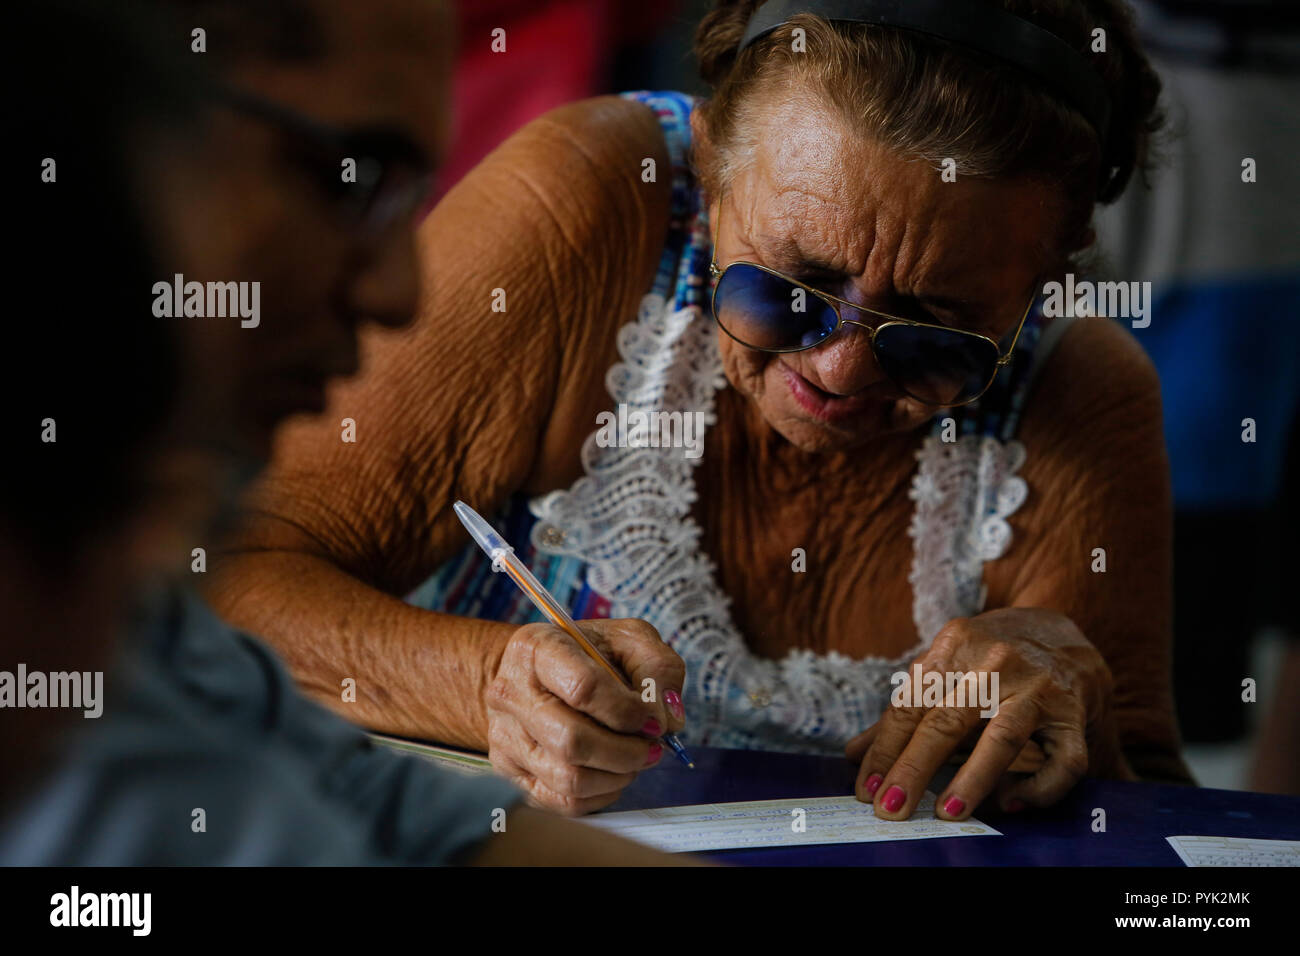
[
  {"x": 381, "y": 62},
  {"x": 812, "y": 182}
]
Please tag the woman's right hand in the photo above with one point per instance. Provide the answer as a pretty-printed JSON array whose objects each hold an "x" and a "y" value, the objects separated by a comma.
[{"x": 564, "y": 730}]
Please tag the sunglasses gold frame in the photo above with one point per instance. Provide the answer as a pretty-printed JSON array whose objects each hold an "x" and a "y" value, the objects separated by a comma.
[{"x": 836, "y": 303}]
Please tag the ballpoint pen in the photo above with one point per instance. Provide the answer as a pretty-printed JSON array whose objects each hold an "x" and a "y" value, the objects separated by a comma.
[{"x": 503, "y": 559}]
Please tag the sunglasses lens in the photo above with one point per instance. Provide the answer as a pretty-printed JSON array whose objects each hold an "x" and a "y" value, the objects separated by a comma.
[
  {"x": 765, "y": 311},
  {"x": 937, "y": 366}
]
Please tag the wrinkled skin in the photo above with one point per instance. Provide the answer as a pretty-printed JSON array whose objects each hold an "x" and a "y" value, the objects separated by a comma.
[
  {"x": 544, "y": 678},
  {"x": 1054, "y": 698},
  {"x": 478, "y": 405}
]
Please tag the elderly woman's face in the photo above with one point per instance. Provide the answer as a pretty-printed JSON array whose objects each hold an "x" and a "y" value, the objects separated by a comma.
[{"x": 845, "y": 215}]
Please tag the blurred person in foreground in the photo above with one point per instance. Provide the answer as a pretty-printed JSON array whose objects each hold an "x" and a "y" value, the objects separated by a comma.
[{"x": 216, "y": 178}]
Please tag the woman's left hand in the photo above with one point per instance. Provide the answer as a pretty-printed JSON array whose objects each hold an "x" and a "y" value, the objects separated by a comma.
[{"x": 1054, "y": 691}]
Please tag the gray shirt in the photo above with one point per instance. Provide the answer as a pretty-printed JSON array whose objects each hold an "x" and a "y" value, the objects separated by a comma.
[{"x": 203, "y": 718}]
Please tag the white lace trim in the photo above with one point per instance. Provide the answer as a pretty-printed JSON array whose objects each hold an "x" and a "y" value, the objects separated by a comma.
[
  {"x": 964, "y": 492},
  {"x": 629, "y": 520}
]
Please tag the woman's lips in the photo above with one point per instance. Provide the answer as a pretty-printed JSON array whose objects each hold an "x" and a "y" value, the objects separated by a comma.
[{"x": 823, "y": 405}]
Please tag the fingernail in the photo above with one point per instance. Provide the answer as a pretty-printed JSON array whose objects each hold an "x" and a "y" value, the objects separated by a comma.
[
  {"x": 674, "y": 702},
  {"x": 873, "y": 783},
  {"x": 651, "y": 727},
  {"x": 953, "y": 806},
  {"x": 1015, "y": 806},
  {"x": 894, "y": 798},
  {"x": 656, "y": 751}
]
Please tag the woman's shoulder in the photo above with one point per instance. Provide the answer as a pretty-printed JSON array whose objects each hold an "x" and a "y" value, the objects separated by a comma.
[
  {"x": 570, "y": 185},
  {"x": 1097, "y": 395},
  {"x": 631, "y": 115},
  {"x": 1098, "y": 363},
  {"x": 647, "y": 113},
  {"x": 563, "y": 210},
  {"x": 602, "y": 141}
]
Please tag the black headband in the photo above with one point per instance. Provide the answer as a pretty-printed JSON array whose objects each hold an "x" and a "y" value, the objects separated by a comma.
[{"x": 976, "y": 26}]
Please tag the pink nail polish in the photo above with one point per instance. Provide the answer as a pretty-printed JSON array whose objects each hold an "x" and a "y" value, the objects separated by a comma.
[
  {"x": 953, "y": 806},
  {"x": 894, "y": 798},
  {"x": 656, "y": 751},
  {"x": 651, "y": 727},
  {"x": 873, "y": 783},
  {"x": 674, "y": 702}
]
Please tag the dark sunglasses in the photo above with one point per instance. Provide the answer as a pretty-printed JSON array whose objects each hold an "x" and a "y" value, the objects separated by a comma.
[
  {"x": 393, "y": 174},
  {"x": 765, "y": 310}
]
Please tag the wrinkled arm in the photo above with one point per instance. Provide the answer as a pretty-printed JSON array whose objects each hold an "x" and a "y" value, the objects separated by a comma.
[{"x": 1099, "y": 478}]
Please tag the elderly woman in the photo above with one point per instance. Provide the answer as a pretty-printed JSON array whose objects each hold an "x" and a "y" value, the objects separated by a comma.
[{"x": 833, "y": 264}]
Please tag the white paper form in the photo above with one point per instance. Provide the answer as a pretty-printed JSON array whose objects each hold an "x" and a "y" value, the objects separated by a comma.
[
  {"x": 733, "y": 826},
  {"x": 1235, "y": 851}
]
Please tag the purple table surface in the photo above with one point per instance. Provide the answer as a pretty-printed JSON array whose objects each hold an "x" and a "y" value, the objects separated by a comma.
[{"x": 1138, "y": 816}]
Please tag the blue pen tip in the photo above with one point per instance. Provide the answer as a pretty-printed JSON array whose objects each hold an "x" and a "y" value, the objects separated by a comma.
[{"x": 677, "y": 748}]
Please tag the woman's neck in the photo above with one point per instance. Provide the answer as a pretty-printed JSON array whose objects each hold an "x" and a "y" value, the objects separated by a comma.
[{"x": 747, "y": 440}]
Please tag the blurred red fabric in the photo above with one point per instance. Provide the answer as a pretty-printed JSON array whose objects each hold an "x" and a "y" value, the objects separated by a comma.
[{"x": 556, "y": 52}]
